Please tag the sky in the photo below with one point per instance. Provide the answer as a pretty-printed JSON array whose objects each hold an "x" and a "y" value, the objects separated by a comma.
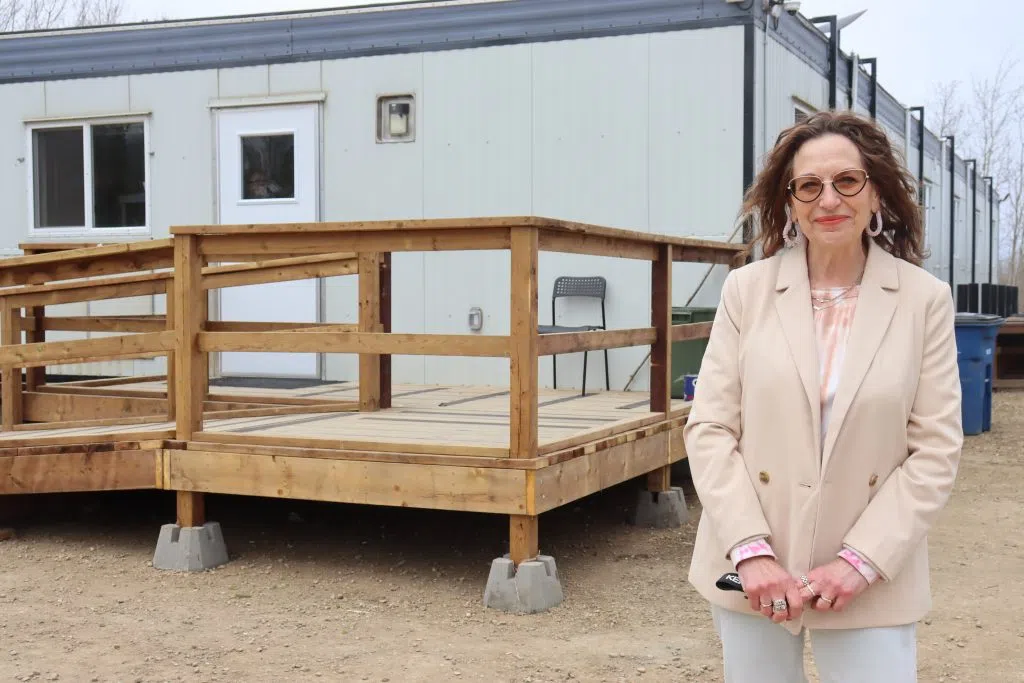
[{"x": 918, "y": 43}]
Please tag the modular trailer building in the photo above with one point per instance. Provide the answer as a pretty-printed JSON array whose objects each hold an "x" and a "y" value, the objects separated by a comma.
[{"x": 650, "y": 115}]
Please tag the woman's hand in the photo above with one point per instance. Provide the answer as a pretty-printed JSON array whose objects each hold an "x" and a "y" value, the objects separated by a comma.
[
  {"x": 837, "y": 581},
  {"x": 764, "y": 580}
]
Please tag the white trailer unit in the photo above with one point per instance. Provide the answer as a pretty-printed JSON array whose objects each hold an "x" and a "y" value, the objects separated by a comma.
[{"x": 650, "y": 115}]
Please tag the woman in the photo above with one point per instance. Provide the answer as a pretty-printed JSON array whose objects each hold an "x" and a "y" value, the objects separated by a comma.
[{"x": 825, "y": 435}]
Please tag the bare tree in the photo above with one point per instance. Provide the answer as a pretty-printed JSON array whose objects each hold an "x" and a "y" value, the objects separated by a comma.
[
  {"x": 989, "y": 127},
  {"x": 950, "y": 110},
  {"x": 996, "y": 102},
  {"x": 98, "y": 12},
  {"x": 29, "y": 15},
  {"x": 1012, "y": 223}
]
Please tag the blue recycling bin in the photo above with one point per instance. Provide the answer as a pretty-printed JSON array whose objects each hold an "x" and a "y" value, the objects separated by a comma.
[{"x": 975, "y": 351}]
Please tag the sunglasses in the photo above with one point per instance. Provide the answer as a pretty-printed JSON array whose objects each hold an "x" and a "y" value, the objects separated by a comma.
[{"x": 807, "y": 188}]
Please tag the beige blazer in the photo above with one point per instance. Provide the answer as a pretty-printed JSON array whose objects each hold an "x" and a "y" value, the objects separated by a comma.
[{"x": 876, "y": 481}]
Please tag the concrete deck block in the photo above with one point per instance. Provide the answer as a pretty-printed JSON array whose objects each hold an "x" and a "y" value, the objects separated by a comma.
[
  {"x": 190, "y": 549},
  {"x": 660, "y": 510},
  {"x": 533, "y": 588}
]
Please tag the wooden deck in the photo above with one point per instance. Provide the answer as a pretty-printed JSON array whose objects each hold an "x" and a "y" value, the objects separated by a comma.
[
  {"x": 438, "y": 420},
  {"x": 518, "y": 451}
]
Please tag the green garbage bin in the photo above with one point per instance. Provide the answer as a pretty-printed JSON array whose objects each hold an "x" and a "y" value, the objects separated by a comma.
[{"x": 687, "y": 355}]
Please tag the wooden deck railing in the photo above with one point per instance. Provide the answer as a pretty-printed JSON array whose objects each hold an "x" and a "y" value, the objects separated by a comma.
[
  {"x": 179, "y": 267},
  {"x": 64, "y": 274},
  {"x": 374, "y": 242}
]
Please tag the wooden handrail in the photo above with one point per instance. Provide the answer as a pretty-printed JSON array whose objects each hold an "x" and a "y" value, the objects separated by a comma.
[
  {"x": 690, "y": 331},
  {"x": 382, "y": 343},
  {"x": 86, "y": 350},
  {"x": 571, "y": 342}
]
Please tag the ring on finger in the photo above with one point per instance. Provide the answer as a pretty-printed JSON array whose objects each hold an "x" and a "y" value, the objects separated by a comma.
[
  {"x": 765, "y": 604},
  {"x": 780, "y": 605},
  {"x": 828, "y": 600}
]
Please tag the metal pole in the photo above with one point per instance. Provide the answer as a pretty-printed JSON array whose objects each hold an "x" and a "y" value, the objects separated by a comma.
[
  {"x": 920, "y": 154},
  {"x": 873, "y": 107},
  {"x": 833, "y": 55},
  {"x": 991, "y": 229},
  {"x": 952, "y": 212},
  {"x": 974, "y": 209}
]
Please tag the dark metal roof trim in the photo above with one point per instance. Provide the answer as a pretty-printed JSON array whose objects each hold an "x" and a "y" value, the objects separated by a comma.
[
  {"x": 198, "y": 45},
  {"x": 811, "y": 45}
]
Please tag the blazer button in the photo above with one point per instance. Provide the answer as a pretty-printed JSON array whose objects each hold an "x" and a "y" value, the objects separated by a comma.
[
  {"x": 873, "y": 480},
  {"x": 764, "y": 477}
]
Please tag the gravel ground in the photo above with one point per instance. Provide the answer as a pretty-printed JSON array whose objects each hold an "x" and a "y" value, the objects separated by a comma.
[{"x": 339, "y": 592}]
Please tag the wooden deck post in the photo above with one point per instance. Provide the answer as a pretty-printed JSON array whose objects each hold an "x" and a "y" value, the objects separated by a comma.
[
  {"x": 523, "y": 534},
  {"x": 11, "y": 400},
  {"x": 191, "y": 509},
  {"x": 374, "y": 316},
  {"x": 190, "y": 313},
  {"x": 172, "y": 386},
  {"x": 35, "y": 377},
  {"x": 661, "y": 351},
  {"x": 191, "y": 366}
]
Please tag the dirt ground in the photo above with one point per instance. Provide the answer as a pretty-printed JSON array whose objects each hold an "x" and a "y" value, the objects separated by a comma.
[{"x": 331, "y": 592}]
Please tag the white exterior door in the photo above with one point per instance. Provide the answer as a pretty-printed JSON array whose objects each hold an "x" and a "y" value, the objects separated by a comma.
[{"x": 268, "y": 165}]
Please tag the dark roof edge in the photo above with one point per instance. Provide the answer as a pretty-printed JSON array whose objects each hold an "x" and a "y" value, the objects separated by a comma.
[
  {"x": 295, "y": 38},
  {"x": 806, "y": 41}
]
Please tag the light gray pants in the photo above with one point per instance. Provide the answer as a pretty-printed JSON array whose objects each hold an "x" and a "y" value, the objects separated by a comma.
[{"x": 756, "y": 650}]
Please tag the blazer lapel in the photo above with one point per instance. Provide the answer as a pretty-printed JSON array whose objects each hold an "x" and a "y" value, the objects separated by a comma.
[
  {"x": 793, "y": 305},
  {"x": 876, "y": 305}
]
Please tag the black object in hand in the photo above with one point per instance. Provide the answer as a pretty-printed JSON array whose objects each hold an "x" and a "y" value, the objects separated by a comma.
[{"x": 730, "y": 582}]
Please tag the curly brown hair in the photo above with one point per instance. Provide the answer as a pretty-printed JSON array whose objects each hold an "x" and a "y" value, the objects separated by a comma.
[{"x": 765, "y": 201}]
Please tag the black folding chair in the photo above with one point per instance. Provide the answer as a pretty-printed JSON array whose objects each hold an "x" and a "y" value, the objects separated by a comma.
[{"x": 570, "y": 286}]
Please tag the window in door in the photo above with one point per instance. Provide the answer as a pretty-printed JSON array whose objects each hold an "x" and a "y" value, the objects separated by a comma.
[
  {"x": 89, "y": 178},
  {"x": 268, "y": 166}
]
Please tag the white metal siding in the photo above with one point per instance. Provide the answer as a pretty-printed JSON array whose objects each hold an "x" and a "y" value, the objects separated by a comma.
[
  {"x": 21, "y": 101},
  {"x": 245, "y": 81},
  {"x": 294, "y": 78},
  {"x": 786, "y": 77},
  {"x": 618, "y": 131},
  {"x": 369, "y": 181},
  {"x": 181, "y": 138},
  {"x": 935, "y": 214},
  {"x": 478, "y": 158},
  {"x": 696, "y": 146},
  {"x": 608, "y": 130}
]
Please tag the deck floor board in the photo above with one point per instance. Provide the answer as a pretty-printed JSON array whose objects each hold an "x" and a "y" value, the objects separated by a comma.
[{"x": 455, "y": 415}]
